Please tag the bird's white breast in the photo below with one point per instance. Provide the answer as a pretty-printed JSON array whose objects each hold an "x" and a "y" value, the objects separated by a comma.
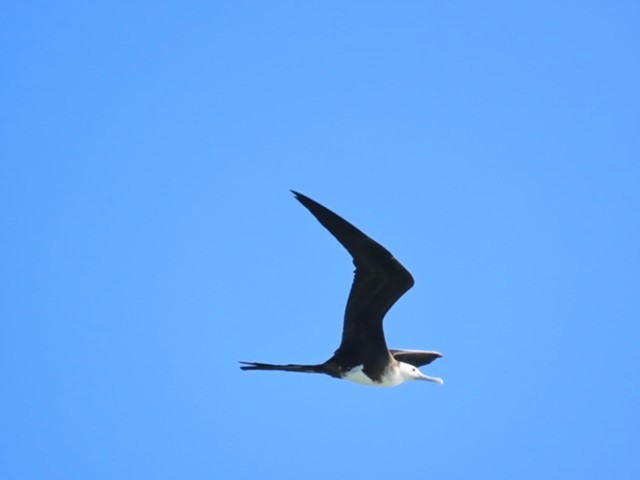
[{"x": 390, "y": 379}]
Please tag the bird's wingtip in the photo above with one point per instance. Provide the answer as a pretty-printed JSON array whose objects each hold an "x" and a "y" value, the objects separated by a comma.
[{"x": 296, "y": 194}]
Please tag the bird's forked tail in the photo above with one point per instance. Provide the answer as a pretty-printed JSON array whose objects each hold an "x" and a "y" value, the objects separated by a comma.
[{"x": 283, "y": 368}]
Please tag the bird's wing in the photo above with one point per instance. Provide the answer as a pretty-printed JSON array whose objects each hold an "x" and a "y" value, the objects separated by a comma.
[
  {"x": 380, "y": 280},
  {"x": 417, "y": 358}
]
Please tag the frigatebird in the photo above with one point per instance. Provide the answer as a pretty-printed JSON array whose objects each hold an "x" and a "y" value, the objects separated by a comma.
[{"x": 380, "y": 280}]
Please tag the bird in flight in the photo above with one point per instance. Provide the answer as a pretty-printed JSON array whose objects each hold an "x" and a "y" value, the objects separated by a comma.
[{"x": 380, "y": 280}]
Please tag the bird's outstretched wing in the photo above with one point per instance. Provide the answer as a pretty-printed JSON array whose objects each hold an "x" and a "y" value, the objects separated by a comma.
[
  {"x": 380, "y": 280},
  {"x": 417, "y": 358}
]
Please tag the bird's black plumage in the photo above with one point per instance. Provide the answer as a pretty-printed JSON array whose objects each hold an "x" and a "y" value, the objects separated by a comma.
[
  {"x": 379, "y": 281},
  {"x": 417, "y": 358}
]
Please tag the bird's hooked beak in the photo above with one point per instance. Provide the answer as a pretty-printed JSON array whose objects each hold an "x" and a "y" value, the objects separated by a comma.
[{"x": 430, "y": 379}]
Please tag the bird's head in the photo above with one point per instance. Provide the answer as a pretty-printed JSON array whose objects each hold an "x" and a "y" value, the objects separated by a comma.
[{"x": 410, "y": 372}]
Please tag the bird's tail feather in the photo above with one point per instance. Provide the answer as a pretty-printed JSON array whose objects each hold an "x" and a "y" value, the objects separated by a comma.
[{"x": 283, "y": 368}]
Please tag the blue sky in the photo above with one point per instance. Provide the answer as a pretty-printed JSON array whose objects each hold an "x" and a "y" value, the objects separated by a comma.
[{"x": 150, "y": 240}]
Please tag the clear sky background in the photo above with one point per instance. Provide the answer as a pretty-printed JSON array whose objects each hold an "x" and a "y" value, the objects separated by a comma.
[{"x": 149, "y": 240}]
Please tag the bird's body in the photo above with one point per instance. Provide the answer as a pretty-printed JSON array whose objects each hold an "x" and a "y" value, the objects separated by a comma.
[
  {"x": 394, "y": 375},
  {"x": 380, "y": 280}
]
